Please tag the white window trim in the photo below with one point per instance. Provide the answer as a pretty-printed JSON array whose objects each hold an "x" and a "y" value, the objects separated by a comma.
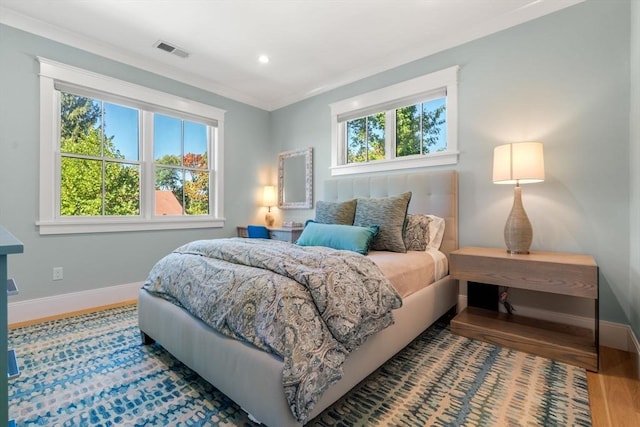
[
  {"x": 50, "y": 222},
  {"x": 446, "y": 78}
]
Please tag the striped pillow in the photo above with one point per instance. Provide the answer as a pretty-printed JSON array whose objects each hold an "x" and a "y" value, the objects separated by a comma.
[
  {"x": 336, "y": 212},
  {"x": 388, "y": 213}
]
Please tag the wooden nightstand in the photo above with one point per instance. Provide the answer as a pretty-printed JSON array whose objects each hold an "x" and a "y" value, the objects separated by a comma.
[
  {"x": 551, "y": 272},
  {"x": 286, "y": 234}
]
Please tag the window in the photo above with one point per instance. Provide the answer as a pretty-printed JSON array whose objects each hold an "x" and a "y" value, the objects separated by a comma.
[
  {"x": 118, "y": 157},
  {"x": 410, "y": 124}
]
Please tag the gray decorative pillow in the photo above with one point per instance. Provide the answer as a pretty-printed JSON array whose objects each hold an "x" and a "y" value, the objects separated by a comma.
[
  {"x": 336, "y": 212},
  {"x": 389, "y": 213},
  {"x": 416, "y": 235}
]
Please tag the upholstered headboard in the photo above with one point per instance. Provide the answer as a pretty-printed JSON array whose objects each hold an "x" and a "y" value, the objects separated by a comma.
[{"x": 433, "y": 193}]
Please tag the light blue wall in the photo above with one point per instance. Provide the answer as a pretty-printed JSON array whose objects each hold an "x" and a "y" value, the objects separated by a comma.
[
  {"x": 563, "y": 80},
  {"x": 99, "y": 260}
]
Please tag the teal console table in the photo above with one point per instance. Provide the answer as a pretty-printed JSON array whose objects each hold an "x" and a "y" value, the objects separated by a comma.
[{"x": 8, "y": 245}]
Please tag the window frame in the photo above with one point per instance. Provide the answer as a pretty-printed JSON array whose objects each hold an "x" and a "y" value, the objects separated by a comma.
[
  {"x": 410, "y": 90},
  {"x": 51, "y": 222}
]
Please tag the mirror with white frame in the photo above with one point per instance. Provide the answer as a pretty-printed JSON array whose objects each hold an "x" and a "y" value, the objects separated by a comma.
[{"x": 295, "y": 179}]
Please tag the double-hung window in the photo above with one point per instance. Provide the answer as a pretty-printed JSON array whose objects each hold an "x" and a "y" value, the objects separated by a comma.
[
  {"x": 406, "y": 125},
  {"x": 116, "y": 156}
]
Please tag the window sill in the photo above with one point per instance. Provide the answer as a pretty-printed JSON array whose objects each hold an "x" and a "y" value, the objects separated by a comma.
[
  {"x": 114, "y": 225},
  {"x": 436, "y": 159}
]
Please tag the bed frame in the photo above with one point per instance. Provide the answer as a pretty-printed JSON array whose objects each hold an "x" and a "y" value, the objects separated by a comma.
[{"x": 253, "y": 378}]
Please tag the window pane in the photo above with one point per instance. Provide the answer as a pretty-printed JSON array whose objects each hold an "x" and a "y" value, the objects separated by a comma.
[
  {"x": 365, "y": 138},
  {"x": 356, "y": 140},
  {"x": 121, "y": 132},
  {"x": 195, "y": 143},
  {"x": 434, "y": 126},
  {"x": 196, "y": 193},
  {"x": 80, "y": 187},
  {"x": 408, "y": 138},
  {"x": 80, "y": 121},
  {"x": 169, "y": 191},
  {"x": 122, "y": 189},
  {"x": 167, "y": 140},
  {"x": 375, "y": 137}
]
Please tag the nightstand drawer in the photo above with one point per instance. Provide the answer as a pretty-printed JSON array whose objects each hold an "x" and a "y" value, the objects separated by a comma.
[
  {"x": 559, "y": 273},
  {"x": 287, "y": 235}
]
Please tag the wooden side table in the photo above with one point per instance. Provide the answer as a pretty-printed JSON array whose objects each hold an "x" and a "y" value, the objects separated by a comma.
[
  {"x": 286, "y": 234},
  {"x": 550, "y": 272}
]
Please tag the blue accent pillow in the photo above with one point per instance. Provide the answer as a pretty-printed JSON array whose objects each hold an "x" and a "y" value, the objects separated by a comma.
[{"x": 338, "y": 236}]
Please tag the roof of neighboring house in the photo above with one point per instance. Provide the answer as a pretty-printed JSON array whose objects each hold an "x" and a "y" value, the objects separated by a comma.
[{"x": 167, "y": 204}]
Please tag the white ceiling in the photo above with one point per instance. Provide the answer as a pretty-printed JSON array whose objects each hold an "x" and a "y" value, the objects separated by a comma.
[{"x": 314, "y": 45}]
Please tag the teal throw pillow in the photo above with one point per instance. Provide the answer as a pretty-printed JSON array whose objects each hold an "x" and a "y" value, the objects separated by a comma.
[{"x": 338, "y": 236}]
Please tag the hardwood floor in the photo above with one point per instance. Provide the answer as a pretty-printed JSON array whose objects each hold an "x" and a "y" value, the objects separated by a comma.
[
  {"x": 614, "y": 392},
  {"x": 70, "y": 314}
]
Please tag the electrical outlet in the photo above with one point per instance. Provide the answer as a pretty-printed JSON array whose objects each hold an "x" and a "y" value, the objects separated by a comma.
[{"x": 57, "y": 273}]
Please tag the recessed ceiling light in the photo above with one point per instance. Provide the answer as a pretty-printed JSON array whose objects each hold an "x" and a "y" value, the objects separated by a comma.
[{"x": 264, "y": 59}]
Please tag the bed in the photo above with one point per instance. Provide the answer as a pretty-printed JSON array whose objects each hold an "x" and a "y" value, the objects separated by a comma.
[{"x": 254, "y": 378}]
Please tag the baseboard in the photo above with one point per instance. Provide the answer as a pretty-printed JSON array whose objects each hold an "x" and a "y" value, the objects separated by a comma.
[
  {"x": 614, "y": 335},
  {"x": 634, "y": 346},
  {"x": 57, "y": 305}
]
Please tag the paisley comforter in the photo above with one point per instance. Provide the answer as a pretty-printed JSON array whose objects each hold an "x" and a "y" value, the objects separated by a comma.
[{"x": 310, "y": 306}]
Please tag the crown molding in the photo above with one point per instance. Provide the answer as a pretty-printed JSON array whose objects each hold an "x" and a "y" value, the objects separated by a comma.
[
  {"x": 22, "y": 22},
  {"x": 532, "y": 10}
]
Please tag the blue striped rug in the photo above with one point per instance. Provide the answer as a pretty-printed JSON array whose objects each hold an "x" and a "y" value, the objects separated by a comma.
[{"x": 91, "y": 370}]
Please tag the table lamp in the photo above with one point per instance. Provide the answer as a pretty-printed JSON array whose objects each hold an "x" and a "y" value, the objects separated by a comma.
[
  {"x": 518, "y": 163},
  {"x": 268, "y": 200}
]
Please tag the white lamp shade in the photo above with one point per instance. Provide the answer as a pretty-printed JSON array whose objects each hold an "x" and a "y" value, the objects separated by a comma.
[
  {"x": 269, "y": 196},
  {"x": 518, "y": 163}
]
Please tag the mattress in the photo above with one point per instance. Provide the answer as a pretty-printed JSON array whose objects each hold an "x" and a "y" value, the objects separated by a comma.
[{"x": 411, "y": 271}]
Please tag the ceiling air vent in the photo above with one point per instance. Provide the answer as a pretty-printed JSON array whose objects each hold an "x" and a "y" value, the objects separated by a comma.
[{"x": 171, "y": 49}]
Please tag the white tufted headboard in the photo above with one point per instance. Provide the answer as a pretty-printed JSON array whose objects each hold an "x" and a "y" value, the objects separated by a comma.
[{"x": 433, "y": 193}]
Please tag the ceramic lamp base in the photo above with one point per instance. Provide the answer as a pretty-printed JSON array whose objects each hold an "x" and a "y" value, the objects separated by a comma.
[
  {"x": 518, "y": 233},
  {"x": 269, "y": 220}
]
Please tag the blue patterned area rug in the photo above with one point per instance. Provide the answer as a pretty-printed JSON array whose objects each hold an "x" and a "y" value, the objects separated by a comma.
[{"x": 92, "y": 370}]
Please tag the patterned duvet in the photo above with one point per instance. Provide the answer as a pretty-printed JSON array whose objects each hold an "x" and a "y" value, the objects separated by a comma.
[{"x": 309, "y": 305}]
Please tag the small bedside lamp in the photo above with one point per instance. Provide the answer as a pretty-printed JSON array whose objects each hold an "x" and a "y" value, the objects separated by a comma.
[
  {"x": 518, "y": 163},
  {"x": 268, "y": 200}
]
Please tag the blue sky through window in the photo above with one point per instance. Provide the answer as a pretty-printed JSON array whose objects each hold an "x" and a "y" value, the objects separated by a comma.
[
  {"x": 122, "y": 124},
  {"x": 441, "y": 145}
]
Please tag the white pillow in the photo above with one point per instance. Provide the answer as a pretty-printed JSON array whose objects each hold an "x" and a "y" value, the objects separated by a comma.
[{"x": 436, "y": 231}]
